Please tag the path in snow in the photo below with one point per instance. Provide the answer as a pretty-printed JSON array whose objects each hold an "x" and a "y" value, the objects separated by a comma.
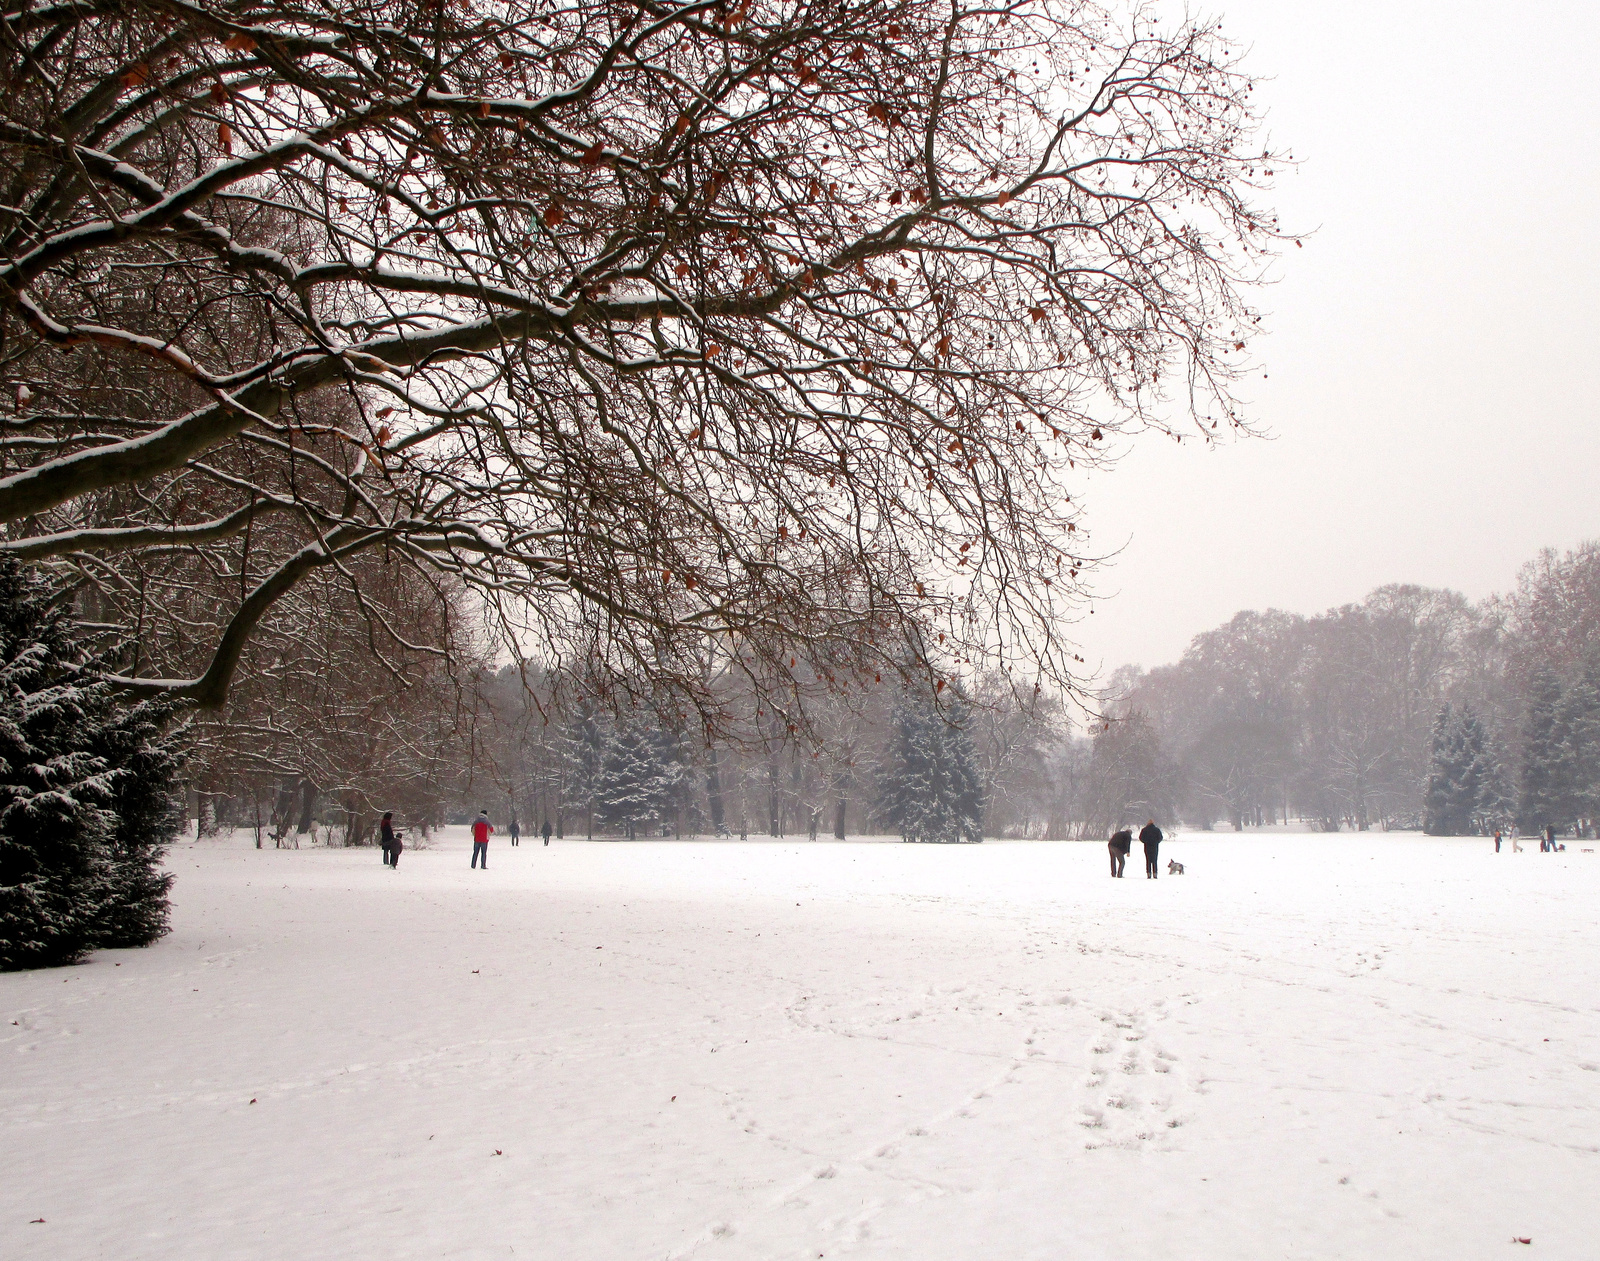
[{"x": 1318, "y": 1047}]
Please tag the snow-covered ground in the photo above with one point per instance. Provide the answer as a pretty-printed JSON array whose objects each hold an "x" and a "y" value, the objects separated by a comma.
[{"x": 1307, "y": 1047}]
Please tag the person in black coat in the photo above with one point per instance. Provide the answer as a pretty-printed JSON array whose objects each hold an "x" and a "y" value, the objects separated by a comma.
[
  {"x": 1150, "y": 838},
  {"x": 1119, "y": 845},
  {"x": 389, "y": 841},
  {"x": 545, "y": 831}
]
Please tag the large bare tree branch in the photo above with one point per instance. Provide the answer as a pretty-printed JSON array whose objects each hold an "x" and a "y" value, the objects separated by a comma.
[{"x": 778, "y": 332}]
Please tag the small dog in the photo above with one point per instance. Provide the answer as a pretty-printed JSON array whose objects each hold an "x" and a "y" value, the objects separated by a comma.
[{"x": 1174, "y": 867}]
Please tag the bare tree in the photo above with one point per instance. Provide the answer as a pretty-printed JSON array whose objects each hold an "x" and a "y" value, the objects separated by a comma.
[
  {"x": 1014, "y": 737},
  {"x": 656, "y": 325},
  {"x": 330, "y": 714},
  {"x": 1128, "y": 775}
]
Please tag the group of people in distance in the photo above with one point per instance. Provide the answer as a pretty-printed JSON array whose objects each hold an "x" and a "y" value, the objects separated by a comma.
[
  {"x": 1547, "y": 841},
  {"x": 515, "y": 829},
  {"x": 390, "y": 839},
  {"x": 1122, "y": 841}
]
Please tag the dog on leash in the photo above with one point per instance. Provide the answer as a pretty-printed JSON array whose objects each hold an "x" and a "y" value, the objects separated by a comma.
[{"x": 1174, "y": 867}]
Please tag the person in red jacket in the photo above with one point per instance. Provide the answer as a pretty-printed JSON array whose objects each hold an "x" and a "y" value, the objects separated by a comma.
[{"x": 481, "y": 828}]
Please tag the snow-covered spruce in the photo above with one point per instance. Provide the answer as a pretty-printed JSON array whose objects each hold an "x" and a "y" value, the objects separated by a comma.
[
  {"x": 87, "y": 800},
  {"x": 1466, "y": 793},
  {"x": 930, "y": 789},
  {"x": 641, "y": 777}
]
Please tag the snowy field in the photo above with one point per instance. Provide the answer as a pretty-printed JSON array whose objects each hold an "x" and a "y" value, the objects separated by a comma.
[{"x": 1307, "y": 1047}]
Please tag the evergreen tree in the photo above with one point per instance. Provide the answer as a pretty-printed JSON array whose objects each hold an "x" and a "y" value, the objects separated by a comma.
[
  {"x": 584, "y": 752},
  {"x": 905, "y": 778},
  {"x": 640, "y": 778},
  {"x": 1543, "y": 756},
  {"x": 149, "y": 815},
  {"x": 930, "y": 787},
  {"x": 86, "y": 793},
  {"x": 1463, "y": 795},
  {"x": 1578, "y": 722},
  {"x": 1478, "y": 777},
  {"x": 1499, "y": 801},
  {"x": 1442, "y": 814}
]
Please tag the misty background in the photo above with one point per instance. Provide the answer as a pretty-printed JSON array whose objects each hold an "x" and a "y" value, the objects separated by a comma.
[{"x": 1429, "y": 375}]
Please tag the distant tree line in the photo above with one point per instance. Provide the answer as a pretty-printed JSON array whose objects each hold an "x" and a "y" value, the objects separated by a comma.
[
  {"x": 1416, "y": 708},
  {"x": 898, "y": 758}
]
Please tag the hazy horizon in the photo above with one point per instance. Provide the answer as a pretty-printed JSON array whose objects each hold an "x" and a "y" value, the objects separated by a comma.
[{"x": 1430, "y": 375}]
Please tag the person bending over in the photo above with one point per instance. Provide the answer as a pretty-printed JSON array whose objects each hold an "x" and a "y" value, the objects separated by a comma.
[{"x": 1119, "y": 845}]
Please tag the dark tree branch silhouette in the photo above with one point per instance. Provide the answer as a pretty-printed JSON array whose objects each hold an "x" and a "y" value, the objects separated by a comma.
[{"x": 767, "y": 330}]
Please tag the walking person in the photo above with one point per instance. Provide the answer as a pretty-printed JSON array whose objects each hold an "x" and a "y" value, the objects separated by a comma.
[
  {"x": 545, "y": 831},
  {"x": 1119, "y": 845},
  {"x": 386, "y": 837},
  {"x": 481, "y": 831},
  {"x": 516, "y": 832},
  {"x": 1150, "y": 838},
  {"x": 396, "y": 843},
  {"x": 1548, "y": 844},
  {"x": 1497, "y": 840}
]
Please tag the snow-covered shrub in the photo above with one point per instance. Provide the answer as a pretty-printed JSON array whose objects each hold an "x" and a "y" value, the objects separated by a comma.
[{"x": 87, "y": 792}]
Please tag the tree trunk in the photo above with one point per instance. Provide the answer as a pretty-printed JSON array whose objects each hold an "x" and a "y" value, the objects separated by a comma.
[
  {"x": 838, "y": 818},
  {"x": 794, "y": 786},
  {"x": 282, "y": 812},
  {"x": 308, "y": 805},
  {"x": 355, "y": 829},
  {"x": 714, "y": 791}
]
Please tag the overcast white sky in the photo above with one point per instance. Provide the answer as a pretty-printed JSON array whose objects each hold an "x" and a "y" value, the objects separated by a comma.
[{"x": 1433, "y": 364}]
